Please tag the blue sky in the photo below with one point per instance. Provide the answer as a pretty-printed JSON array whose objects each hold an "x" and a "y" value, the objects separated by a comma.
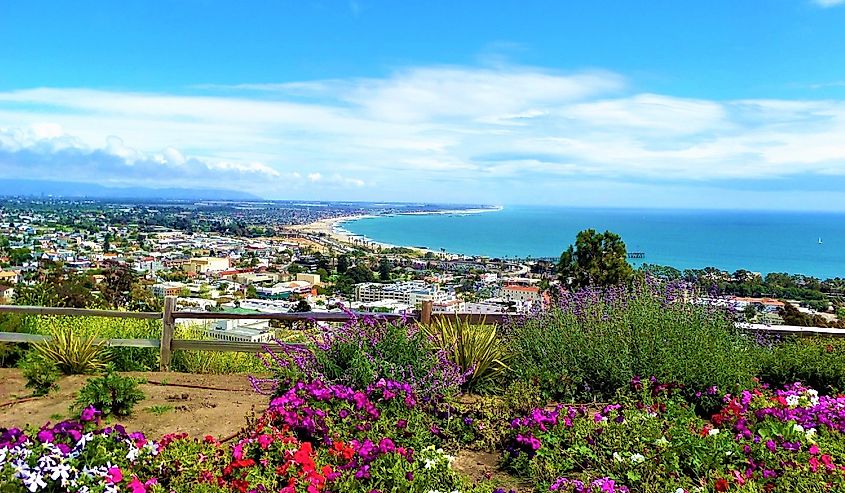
[{"x": 614, "y": 103}]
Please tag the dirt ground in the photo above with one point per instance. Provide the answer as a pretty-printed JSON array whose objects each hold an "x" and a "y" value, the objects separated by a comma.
[
  {"x": 173, "y": 407},
  {"x": 479, "y": 465}
]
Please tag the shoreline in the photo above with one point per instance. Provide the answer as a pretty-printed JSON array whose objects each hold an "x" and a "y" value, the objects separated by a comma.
[{"x": 333, "y": 227}]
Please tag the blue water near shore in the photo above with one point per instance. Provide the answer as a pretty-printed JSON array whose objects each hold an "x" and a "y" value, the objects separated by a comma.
[{"x": 757, "y": 241}]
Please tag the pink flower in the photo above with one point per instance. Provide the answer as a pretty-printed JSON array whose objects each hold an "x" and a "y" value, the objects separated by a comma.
[
  {"x": 264, "y": 441},
  {"x": 136, "y": 486},
  {"x": 113, "y": 475},
  {"x": 814, "y": 449},
  {"x": 89, "y": 414}
]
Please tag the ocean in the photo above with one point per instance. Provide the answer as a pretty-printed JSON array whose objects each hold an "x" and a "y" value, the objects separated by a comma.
[{"x": 810, "y": 243}]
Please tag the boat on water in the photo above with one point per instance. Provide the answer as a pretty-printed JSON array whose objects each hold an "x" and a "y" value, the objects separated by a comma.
[{"x": 820, "y": 240}]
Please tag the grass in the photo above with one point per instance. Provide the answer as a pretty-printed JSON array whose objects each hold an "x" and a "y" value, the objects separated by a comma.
[{"x": 158, "y": 410}]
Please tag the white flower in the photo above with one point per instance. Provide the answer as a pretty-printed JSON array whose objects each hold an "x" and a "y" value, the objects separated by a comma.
[
  {"x": 637, "y": 458},
  {"x": 61, "y": 471},
  {"x": 798, "y": 428},
  {"x": 430, "y": 463},
  {"x": 792, "y": 400},
  {"x": 713, "y": 432},
  {"x": 810, "y": 433},
  {"x": 680, "y": 490},
  {"x": 617, "y": 457},
  {"x": 34, "y": 482}
]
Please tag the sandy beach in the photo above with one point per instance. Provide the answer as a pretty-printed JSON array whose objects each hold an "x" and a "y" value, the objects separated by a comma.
[{"x": 333, "y": 227}]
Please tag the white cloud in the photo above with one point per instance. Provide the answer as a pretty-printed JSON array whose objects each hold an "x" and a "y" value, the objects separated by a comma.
[
  {"x": 828, "y": 3},
  {"x": 418, "y": 131}
]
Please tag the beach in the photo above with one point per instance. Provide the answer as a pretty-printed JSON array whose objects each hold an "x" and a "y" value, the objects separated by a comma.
[{"x": 333, "y": 227}]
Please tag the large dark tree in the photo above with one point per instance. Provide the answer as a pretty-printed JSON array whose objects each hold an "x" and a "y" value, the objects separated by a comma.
[
  {"x": 384, "y": 268},
  {"x": 596, "y": 259},
  {"x": 116, "y": 287},
  {"x": 342, "y": 264}
]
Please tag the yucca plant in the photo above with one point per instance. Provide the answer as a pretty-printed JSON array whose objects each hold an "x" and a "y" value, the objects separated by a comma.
[
  {"x": 476, "y": 349},
  {"x": 72, "y": 354}
]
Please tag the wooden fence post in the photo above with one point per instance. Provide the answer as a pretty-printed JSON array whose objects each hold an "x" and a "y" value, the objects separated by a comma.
[
  {"x": 168, "y": 325},
  {"x": 425, "y": 313}
]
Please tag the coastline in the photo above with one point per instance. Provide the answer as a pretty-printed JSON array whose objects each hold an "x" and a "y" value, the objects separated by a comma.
[{"x": 333, "y": 227}]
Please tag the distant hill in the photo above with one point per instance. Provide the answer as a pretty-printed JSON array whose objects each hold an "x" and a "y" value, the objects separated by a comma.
[{"x": 38, "y": 188}]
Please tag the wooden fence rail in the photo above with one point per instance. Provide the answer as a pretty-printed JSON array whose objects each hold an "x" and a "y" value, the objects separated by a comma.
[{"x": 167, "y": 344}]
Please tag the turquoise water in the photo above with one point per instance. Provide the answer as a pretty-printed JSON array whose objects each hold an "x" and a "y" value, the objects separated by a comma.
[{"x": 757, "y": 241}]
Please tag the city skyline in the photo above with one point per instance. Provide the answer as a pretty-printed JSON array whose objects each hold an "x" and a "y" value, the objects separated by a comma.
[{"x": 678, "y": 104}]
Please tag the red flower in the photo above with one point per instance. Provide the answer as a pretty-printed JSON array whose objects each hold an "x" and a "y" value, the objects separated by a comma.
[{"x": 722, "y": 484}]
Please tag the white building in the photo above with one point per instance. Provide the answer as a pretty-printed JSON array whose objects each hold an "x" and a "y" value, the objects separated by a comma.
[
  {"x": 410, "y": 292},
  {"x": 241, "y": 330},
  {"x": 204, "y": 265},
  {"x": 524, "y": 294}
]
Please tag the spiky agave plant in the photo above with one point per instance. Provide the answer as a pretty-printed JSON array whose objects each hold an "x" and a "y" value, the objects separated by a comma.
[
  {"x": 475, "y": 348},
  {"x": 72, "y": 354}
]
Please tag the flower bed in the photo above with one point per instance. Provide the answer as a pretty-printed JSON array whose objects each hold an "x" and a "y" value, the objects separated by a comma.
[
  {"x": 787, "y": 440},
  {"x": 318, "y": 436}
]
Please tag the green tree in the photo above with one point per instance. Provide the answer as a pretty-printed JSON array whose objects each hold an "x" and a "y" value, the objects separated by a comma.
[
  {"x": 116, "y": 287},
  {"x": 251, "y": 292},
  {"x": 18, "y": 256},
  {"x": 342, "y": 264},
  {"x": 750, "y": 312},
  {"x": 384, "y": 268},
  {"x": 596, "y": 259},
  {"x": 302, "y": 306},
  {"x": 359, "y": 274}
]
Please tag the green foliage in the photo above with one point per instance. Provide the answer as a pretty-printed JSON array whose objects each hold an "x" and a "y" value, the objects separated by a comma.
[
  {"x": 211, "y": 362},
  {"x": 112, "y": 394},
  {"x": 73, "y": 354},
  {"x": 41, "y": 374},
  {"x": 819, "y": 363},
  {"x": 476, "y": 349},
  {"x": 342, "y": 264},
  {"x": 13, "y": 322},
  {"x": 158, "y": 410},
  {"x": 594, "y": 342},
  {"x": 123, "y": 358},
  {"x": 596, "y": 259}
]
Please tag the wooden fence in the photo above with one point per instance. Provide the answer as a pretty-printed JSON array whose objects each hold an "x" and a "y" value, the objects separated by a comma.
[{"x": 169, "y": 315}]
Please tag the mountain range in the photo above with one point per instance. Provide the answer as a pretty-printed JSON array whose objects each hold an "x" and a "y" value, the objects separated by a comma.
[{"x": 65, "y": 189}]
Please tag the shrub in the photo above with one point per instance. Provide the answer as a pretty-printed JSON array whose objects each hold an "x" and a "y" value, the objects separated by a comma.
[
  {"x": 41, "y": 374},
  {"x": 213, "y": 362},
  {"x": 123, "y": 358},
  {"x": 365, "y": 351},
  {"x": 816, "y": 362},
  {"x": 111, "y": 394},
  {"x": 476, "y": 349},
  {"x": 73, "y": 354},
  {"x": 594, "y": 342}
]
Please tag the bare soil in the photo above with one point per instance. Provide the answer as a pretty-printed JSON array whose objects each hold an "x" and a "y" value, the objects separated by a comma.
[{"x": 219, "y": 410}]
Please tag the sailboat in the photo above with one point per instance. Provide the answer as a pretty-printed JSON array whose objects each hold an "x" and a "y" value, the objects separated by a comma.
[{"x": 820, "y": 240}]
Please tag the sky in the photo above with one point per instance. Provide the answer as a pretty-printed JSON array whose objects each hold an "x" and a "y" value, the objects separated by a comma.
[{"x": 665, "y": 103}]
